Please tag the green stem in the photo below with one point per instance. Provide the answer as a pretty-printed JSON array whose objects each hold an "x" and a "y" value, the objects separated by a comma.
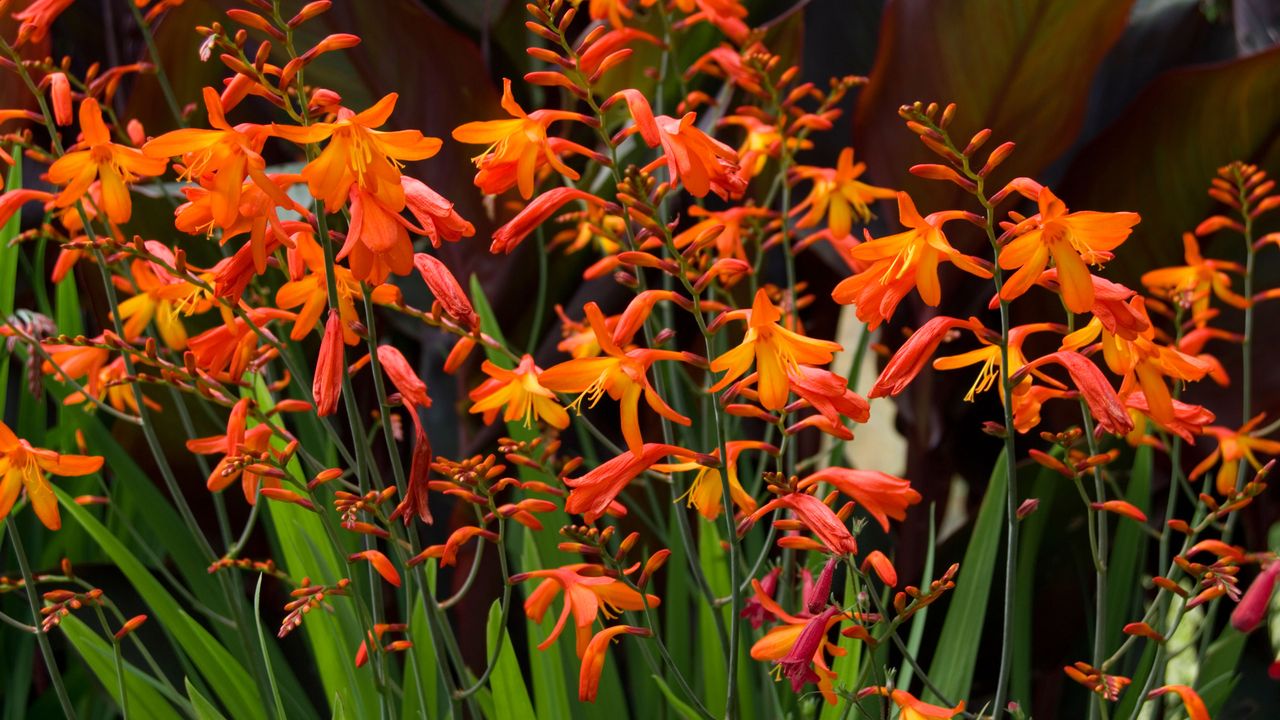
[{"x": 42, "y": 638}]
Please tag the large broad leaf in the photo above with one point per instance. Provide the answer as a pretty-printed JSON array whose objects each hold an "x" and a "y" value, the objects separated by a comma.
[
  {"x": 1022, "y": 69},
  {"x": 1158, "y": 158},
  {"x": 228, "y": 678},
  {"x": 956, "y": 656}
]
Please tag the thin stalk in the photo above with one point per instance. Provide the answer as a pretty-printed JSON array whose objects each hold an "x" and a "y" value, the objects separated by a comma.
[
  {"x": 119, "y": 661},
  {"x": 42, "y": 638},
  {"x": 154, "y": 52}
]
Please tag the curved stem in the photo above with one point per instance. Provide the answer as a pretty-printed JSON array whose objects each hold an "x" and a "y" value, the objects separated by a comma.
[{"x": 42, "y": 638}]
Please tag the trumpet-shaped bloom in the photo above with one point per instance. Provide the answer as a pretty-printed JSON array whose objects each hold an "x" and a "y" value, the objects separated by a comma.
[
  {"x": 774, "y": 349},
  {"x": 519, "y": 393},
  {"x": 697, "y": 160},
  {"x": 1143, "y": 363},
  {"x": 1073, "y": 240},
  {"x": 837, "y": 195},
  {"x": 1195, "y": 281},
  {"x": 24, "y": 467},
  {"x": 706, "y": 492},
  {"x": 624, "y": 375},
  {"x": 593, "y": 493},
  {"x": 898, "y": 263},
  {"x": 518, "y": 146},
  {"x": 727, "y": 226},
  {"x": 593, "y": 658},
  {"x": 880, "y": 494},
  {"x": 1234, "y": 446},
  {"x": 815, "y": 515},
  {"x": 114, "y": 166},
  {"x": 224, "y": 155},
  {"x": 586, "y": 597},
  {"x": 359, "y": 154},
  {"x": 310, "y": 291},
  {"x": 912, "y": 708},
  {"x": 164, "y": 299},
  {"x": 799, "y": 645}
]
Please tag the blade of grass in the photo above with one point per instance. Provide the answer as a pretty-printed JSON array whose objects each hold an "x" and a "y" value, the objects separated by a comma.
[
  {"x": 709, "y": 651},
  {"x": 916, "y": 635},
  {"x": 228, "y": 678},
  {"x": 550, "y": 691},
  {"x": 510, "y": 696},
  {"x": 1129, "y": 548},
  {"x": 957, "y": 651},
  {"x": 145, "y": 693},
  {"x": 204, "y": 709},
  {"x": 681, "y": 708},
  {"x": 8, "y": 275},
  {"x": 266, "y": 656}
]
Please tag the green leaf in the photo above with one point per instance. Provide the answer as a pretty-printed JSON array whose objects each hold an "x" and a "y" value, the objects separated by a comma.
[
  {"x": 303, "y": 544},
  {"x": 679, "y": 706},
  {"x": 510, "y": 696},
  {"x": 1129, "y": 546},
  {"x": 262, "y": 644},
  {"x": 8, "y": 275},
  {"x": 145, "y": 699},
  {"x": 710, "y": 651},
  {"x": 433, "y": 701},
  {"x": 957, "y": 651},
  {"x": 228, "y": 678},
  {"x": 548, "y": 667},
  {"x": 204, "y": 709}
]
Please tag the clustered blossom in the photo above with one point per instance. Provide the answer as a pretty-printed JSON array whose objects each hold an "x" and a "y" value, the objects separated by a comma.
[{"x": 704, "y": 382}]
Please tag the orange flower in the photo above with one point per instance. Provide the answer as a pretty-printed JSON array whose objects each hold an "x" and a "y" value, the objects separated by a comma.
[
  {"x": 722, "y": 228},
  {"x": 837, "y": 195},
  {"x": 437, "y": 219},
  {"x": 774, "y": 349},
  {"x": 220, "y": 158},
  {"x": 326, "y": 387},
  {"x": 912, "y": 708},
  {"x": 1074, "y": 241},
  {"x": 624, "y": 375},
  {"x": 311, "y": 293},
  {"x": 799, "y": 645},
  {"x": 520, "y": 392},
  {"x": 1234, "y": 446},
  {"x": 359, "y": 154},
  {"x": 898, "y": 263},
  {"x": 699, "y": 161},
  {"x": 240, "y": 448},
  {"x": 1191, "y": 701},
  {"x": 441, "y": 282},
  {"x": 880, "y": 494},
  {"x": 586, "y": 596},
  {"x": 1195, "y": 280},
  {"x": 23, "y": 466},
  {"x": 518, "y": 146},
  {"x": 813, "y": 514},
  {"x": 37, "y": 17},
  {"x": 1142, "y": 362},
  {"x": 593, "y": 658},
  {"x": 115, "y": 166},
  {"x": 164, "y": 298},
  {"x": 593, "y": 493},
  {"x": 226, "y": 350},
  {"x": 1103, "y": 403},
  {"x": 762, "y": 142},
  {"x": 257, "y": 215},
  {"x": 910, "y": 359},
  {"x": 509, "y": 236},
  {"x": 706, "y": 492}
]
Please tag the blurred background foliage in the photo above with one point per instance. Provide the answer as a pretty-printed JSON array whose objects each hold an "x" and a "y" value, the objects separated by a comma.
[{"x": 1117, "y": 104}]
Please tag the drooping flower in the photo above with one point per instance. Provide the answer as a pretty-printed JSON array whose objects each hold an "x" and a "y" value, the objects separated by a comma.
[
  {"x": 591, "y": 494},
  {"x": 911, "y": 358},
  {"x": 912, "y": 708},
  {"x": 623, "y": 374},
  {"x": 519, "y": 393},
  {"x": 359, "y": 154},
  {"x": 1234, "y": 446},
  {"x": 24, "y": 467},
  {"x": 814, "y": 514},
  {"x": 509, "y": 236},
  {"x": 1101, "y": 399},
  {"x": 774, "y": 350},
  {"x": 37, "y": 17},
  {"x": 898, "y": 263},
  {"x": 1191, "y": 701},
  {"x": 221, "y": 158},
  {"x": 706, "y": 492},
  {"x": 880, "y": 494},
  {"x": 114, "y": 166},
  {"x": 698, "y": 161},
  {"x": 518, "y": 146},
  {"x": 437, "y": 219},
  {"x": 837, "y": 195},
  {"x": 331, "y": 367},
  {"x": 240, "y": 447},
  {"x": 799, "y": 645},
  {"x": 727, "y": 226},
  {"x": 587, "y": 595},
  {"x": 1256, "y": 601},
  {"x": 593, "y": 658},
  {"x": 1073, "y": 240},
  {"x": 1195, "y": 281}
]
